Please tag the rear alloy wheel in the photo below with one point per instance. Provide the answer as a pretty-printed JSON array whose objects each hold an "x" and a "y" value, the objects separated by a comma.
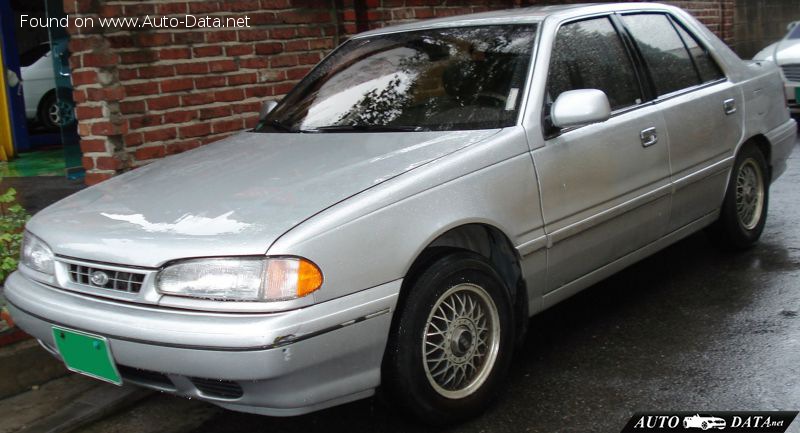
[
  {"x": 744, "y": 211},
  {"x": 452, "y": 341},
  {"x": 750, "y": 192}
]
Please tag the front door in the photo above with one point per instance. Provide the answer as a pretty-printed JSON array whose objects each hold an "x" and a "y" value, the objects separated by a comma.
[{"x": 604, "y": 187}]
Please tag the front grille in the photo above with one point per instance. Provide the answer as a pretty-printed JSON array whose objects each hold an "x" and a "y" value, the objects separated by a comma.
[
  {"x": 145, "y": 377},
  {"x": 122, "y": 281},
  {"x": 792, "y": 72},
  {"x": 218, "y": 388}
]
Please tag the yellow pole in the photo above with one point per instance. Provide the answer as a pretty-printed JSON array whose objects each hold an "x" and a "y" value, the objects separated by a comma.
[{"x": 6, "y": 146}]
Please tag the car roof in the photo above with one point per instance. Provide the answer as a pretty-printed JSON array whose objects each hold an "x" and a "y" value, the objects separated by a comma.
[{"x": 533, "y": 14}]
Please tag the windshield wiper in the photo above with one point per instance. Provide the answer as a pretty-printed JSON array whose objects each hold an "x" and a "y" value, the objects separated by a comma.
[
  {"x": 280, "y": 126},
  {"x": 365, "y": 128}
]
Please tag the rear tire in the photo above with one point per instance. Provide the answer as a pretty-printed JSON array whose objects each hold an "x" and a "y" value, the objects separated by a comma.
[
  {"x": 452, "y": 343},
  {"x": 744, "y": 210}
]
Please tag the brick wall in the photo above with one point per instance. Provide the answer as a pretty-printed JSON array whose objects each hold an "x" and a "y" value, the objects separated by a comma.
[
  {"x": 142, "y": 94},
  {"x": 717, "y": 15}
]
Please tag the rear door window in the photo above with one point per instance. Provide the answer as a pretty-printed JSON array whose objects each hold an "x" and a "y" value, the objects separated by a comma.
[
  {"x": 664, "y": 52},
  {"x": 590, "y": 55},
  {"x": 706, "y": 66}
]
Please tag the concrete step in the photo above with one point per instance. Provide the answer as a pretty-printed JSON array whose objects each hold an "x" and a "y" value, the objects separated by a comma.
[
  {"x": 24, "y": 365},
  {"x": 65, "y": 405}
]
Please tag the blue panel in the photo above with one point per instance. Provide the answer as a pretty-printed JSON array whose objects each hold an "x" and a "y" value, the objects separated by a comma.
[{"x": 19, "y": 125}]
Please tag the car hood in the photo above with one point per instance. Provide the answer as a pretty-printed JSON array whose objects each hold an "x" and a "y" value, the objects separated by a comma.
[
  {"x": 232, "y": 197},
  {"x": 783, "y": 52},
  {"x": 788, "y": 51}
]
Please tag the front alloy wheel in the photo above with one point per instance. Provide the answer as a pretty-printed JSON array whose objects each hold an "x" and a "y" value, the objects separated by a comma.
[
  {"x": 452, "y": 340},
  {"x": 461, "y": 341}
]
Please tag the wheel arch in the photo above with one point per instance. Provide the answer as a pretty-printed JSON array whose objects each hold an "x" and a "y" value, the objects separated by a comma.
[
  {"x": 762, "y": 143},
  {"x": 488, "y": 241}
]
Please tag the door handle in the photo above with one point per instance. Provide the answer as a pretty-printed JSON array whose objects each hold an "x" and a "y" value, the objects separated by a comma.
[
  {"x": 649, "y": 137},
  {"x": 729, "y": 105}
]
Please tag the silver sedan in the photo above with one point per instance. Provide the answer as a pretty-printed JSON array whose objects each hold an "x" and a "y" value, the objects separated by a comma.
[{"x": 392, "y": 223}]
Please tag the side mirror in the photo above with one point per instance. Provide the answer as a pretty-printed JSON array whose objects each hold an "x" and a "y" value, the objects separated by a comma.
[
  {"x": 266, "y": 107},
  {"x": 580, "y": 107}
]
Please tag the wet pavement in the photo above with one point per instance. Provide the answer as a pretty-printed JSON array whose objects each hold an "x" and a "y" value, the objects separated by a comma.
[{"x": 691, "y": 328}]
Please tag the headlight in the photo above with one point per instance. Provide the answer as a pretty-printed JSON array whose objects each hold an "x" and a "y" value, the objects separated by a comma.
[
  {"x": 36, "y": 254},
  {"x": 241, "y": 279}
]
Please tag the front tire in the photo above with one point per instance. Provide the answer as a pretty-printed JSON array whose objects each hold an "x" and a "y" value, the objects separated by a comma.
[
  {"x": 744, "y": 211},
  {"x": 452, "y": 342}
]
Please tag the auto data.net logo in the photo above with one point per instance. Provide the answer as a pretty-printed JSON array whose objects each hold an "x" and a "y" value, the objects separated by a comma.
[{"x": 760, "y": 422}]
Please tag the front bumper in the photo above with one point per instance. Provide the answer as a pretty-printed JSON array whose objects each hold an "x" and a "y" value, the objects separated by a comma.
[
  {"x": 792, "y": 96},
  {"x": 285, "y": 363}
]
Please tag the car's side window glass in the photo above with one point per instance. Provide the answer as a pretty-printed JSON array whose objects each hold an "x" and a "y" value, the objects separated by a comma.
[
  {"x": 706, "y": 66},
  {"x": 590, "y": 55},
  {"x": 664, "y": 52}
]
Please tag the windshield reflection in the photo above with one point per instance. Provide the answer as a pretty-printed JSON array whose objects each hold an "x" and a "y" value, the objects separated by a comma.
[{"x": 439, "y": 79}]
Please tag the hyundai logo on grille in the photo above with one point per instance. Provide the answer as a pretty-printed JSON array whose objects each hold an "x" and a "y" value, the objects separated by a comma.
[{"x": 99, "y": 278}]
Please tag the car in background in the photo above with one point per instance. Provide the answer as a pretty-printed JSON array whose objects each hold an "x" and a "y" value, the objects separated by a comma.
[
  {"x": 786, "y": 54},
  {"x": 39, "y": 86}
]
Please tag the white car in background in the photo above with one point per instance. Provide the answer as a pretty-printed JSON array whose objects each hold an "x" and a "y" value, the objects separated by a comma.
[
  {"x": 39, "y": 86},
  {"x": 786, "y": 53}
]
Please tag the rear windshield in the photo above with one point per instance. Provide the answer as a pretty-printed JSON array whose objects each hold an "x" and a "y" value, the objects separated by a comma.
[{"x": 439, "y": 79}]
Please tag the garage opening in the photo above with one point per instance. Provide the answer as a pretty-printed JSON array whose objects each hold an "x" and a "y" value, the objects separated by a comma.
[{"x": 40, "y": 135}]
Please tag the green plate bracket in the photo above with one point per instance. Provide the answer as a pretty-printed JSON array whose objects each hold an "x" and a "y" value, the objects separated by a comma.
[{"x": 86, "y": 354}]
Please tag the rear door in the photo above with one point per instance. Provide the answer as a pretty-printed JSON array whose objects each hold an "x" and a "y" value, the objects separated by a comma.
[
  {"x": 604, "y": 187},
  {"x": 700, "y": 107}
]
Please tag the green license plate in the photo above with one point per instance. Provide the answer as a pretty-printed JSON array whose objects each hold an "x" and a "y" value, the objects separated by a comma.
[
  {"x": 797, "y": 94},
  {"x": 86, "y": 354}
]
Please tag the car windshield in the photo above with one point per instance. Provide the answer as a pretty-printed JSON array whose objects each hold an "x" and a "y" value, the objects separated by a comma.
[
  {"x": 795, "y": 32},
  {"x": 439, "y": 79}
]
